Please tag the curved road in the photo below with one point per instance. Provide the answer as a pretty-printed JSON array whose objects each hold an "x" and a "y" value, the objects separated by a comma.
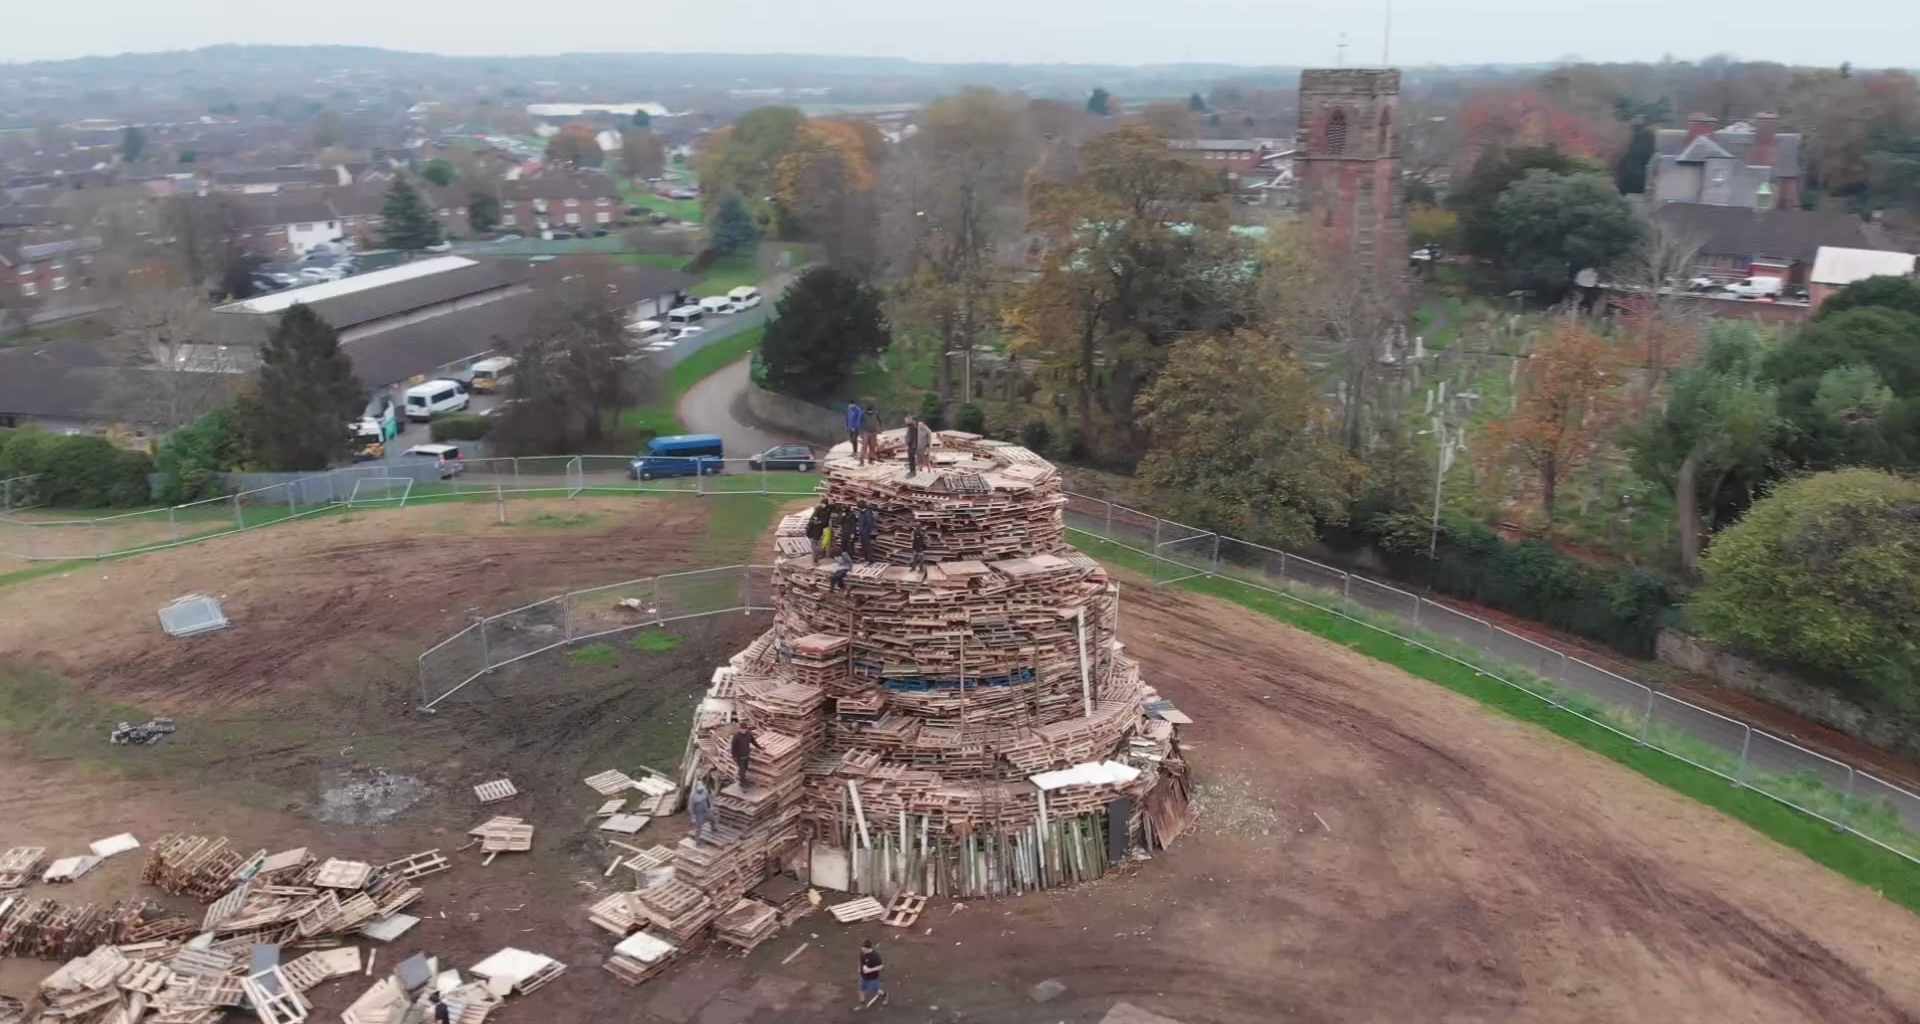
[{"x": 708, "y": 408}]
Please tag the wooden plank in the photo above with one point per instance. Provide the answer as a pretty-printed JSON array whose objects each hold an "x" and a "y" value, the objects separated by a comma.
[{"x": 495, "y": 791}]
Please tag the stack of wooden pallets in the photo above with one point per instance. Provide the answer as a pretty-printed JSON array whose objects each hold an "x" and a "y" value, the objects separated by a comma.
[{"x": 747, "y": 924}]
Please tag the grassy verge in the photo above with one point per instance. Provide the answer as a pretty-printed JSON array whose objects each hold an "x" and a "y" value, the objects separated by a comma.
[
  {"x": 658, "y": 416},
  {"x": 1884, "y": 872},
  {"x": 721, "y": 276}
]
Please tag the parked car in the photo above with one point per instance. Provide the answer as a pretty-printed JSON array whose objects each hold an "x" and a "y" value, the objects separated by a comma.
[
  {"x": 657, "y": 219},
  {"x": 446, "y": 457},
  {"x": 1703, "y": 284},
  {"x": 716, "y": 305},
  {"x": 1756, "y": 288},
  {"x": 687, "y": 331},
  {"x": 440, "y": 247},
  {"x": 436, "y": 396},
  {"x": 679, "y": 455},
  {"x": 744, "y": 297},
  {"x": 786, "y": 456}
]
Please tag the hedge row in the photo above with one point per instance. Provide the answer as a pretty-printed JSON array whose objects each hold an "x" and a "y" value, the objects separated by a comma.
[
  {"x": 1619, "y": 606},
  {"x": 76, "y": 471}
]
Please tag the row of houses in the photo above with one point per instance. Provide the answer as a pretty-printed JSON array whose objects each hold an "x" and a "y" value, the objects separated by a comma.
[{"x": 295, "y": 222}]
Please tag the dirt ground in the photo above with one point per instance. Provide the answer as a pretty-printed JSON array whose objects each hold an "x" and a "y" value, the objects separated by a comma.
[{"x": 1370, "y": 847}]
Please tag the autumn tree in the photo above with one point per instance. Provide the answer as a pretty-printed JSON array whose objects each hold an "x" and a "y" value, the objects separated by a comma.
[
  {"x": 953, "y": 212},
  {"x": 1566, "y": 405},
  {"x": 823, "y": 188},
  {"x": 1242, "y": 443},
  {"x": 307, "y": 393},
  {"x": 1136, "y": 258},
  {"x": 741, "y": 157},
  {"x": 641, "y": 154},
  {"x": 576, "y": 145},
  {"x": 1503, "y": 117}
]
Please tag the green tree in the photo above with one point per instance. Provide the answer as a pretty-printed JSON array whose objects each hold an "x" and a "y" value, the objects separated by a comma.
[
  {"x": 1099, "y": 101},
  {"x": 733, "y": 230},
  {"x": 1496, "y": 169},
  {"x": 440, "y": 171},
  {"x": 192, "y": 458},
  {"x": 307, "y": 393},
  {"x": 642, "y": 119},
  {"x": 483, "y": 212},
  {"x": 1850, "y": 389},
  {"x": 1196, "y": 104},
  {"x": 1242, "y": 443},
  {"x": 1630, "y": 171},
  {"x": 824, "y": 324},
  {"x": 1824, "y": 573},
  {"x": 133, "y": 142},
  {"x": 409, "y": 224},
  {"x": 1886, "y": 291},
  {"x": 1553, "y": 225},
  {"x": 1711, "y": 444}
]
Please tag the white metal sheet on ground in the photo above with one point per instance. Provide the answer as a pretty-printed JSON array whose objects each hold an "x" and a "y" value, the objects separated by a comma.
[
  {"x": 511, "y": 965},
  {"x": 104, "y": 848},
  {"x": 829, "y": 868},
  {"x": 389, "y": 928},
  {"x": 194, "y": 613},
  {"x": 644, "y": 948},
  {"x": 66, "y": 869}
]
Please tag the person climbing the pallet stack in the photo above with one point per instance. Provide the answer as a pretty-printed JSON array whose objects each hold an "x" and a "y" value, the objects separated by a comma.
[
  {"x": 744, "y": 744},
  {"x": 913, "y": 446},
  {"x": 920, "y": 551},
  {"x": 867, "y": 523},
  {"x": 854, "y": 413},
  {"x": 700, "y": 805},
  {"x": 842, "y": 565},
  {"x": 869, "y": 436}
]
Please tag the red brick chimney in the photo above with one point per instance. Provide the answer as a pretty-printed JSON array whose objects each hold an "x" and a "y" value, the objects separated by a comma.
[
  {"x": 1763, "y": 140},
  {"x": 1698, "y": 125}
]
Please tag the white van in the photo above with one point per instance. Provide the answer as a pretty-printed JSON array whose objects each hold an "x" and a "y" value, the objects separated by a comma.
[
  {"x": 1756, "y": 288},
  {"x": 744, "y": 297},
  {"x": 435, "y": 396},
  {"x": 490, "y": 374},
  {"x": 680, "y": 316},
  {"x": 646, "y": 331},
  {"x": 716, "y": 305}
]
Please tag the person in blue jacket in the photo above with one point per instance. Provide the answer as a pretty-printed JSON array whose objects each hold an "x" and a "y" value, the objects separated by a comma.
[{"x": 854, "y": 416}]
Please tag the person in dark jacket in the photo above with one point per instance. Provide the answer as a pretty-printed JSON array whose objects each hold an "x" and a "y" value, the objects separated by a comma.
[
  {"x": 743, "y": 747},
  {"x": 920, "y": 550},
  {"x": 871, "y": 990},
  {"x": 868, "y": 525},
  {"x": 854, "y": 414},
  {"x": 913, "y": 446},
  {"x": 869, "y": 436}
]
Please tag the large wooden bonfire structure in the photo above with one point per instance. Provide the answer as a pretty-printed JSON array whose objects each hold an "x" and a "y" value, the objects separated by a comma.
[{"x": 969, "y": 728}]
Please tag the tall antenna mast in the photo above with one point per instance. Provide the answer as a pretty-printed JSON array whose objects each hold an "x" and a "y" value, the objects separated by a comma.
[
  {"x": 1340, "y": 52},
  {"x": 1386, "y": 38}
]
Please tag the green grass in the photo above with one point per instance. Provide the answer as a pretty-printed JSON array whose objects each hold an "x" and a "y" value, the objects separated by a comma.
[
  {"x": 736, "y": 525},
  {"x": 556, "y": 521},
  {"x": 638, "y": 193},
  {"x": 655, "y": 641},
  {"x": 720, "y": 277},
  {"x": 659, "y": 416},
  {"x": 1884, "y": 872},
  {"x": 593, "y": 654}
]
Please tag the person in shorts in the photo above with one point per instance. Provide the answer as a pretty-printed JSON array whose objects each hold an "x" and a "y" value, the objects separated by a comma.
[{"x": 870, "y": 987}]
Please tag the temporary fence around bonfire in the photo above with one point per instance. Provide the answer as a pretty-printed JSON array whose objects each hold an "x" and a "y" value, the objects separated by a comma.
[
  {"x": 283, "y": 496},
  {"x": 589, "y": 613},
  {"x": 1850, "y": 799}
]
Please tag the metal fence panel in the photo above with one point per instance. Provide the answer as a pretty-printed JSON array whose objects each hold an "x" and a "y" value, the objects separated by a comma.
[
  {"x": 529, "y": 629},
  {"x": 598, "y": 611},
  {"x": 702, "y": 592},
  {"x": 1886, "y": 813},
  {"x": 1456, "y": 627},
  {"x": 452, "y": 663},
  {"x": 1307, "y": 572},
  {"x": 1695, "y": 735},
  {"x": 1379, "y": 597},
  {"x": 1795, "y": 775}
]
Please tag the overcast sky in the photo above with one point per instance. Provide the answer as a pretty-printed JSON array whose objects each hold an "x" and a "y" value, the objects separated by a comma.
[{"x": 1869, "y": 33}]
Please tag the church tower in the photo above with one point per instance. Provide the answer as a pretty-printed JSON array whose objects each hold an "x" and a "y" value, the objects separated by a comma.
[{"x": 1346, "y": 167}]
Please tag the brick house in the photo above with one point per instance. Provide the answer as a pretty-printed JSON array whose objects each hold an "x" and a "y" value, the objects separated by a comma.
[
  {"x": 1736, "y": 242},
  {"x": 44, "y": 273},
  {"x": 1725, "y": 166},
  {"x": 560, "y": 202}
]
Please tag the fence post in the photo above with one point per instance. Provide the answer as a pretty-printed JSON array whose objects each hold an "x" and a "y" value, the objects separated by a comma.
[
  {"x": 1740, "y": 769},
  {"x": 173, "y": 526},
  {"x": 1846, "y": 803},
  {"x": 657, "y": 616},
  {"x": 1346, "y": 591},
  {"x": 1417, "y": 602},
  {"x": 421, "y": 664},
  {"x": 1646, "y": 721},
  {"x": 1216, "y": 554},
  {"x": 486, "y": 653},
  {"x": 499, "y": 500},
  {"x": 292, "y": 510},
  {"x": 566, "y": 615},
  {"x": 1155, "y": 550},
  {"x": 1283, "y": 567},
  {"x": 1109, "y": 533},
  {"x": 763, "y": 478},
  {"x": 516, "y": 472},
  {"x": 746, "y": 575}
]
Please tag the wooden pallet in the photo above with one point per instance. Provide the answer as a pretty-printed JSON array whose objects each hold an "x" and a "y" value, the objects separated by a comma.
[
  {"x": 17, "y": 865},
  {"x": 616, "y": 914},
  {"x": 417, "y": 865},
  {"x": 495, "y": 791},
  {"x": 275, "y": 1000},
  {"x": 517, "y": 837},
  {"x": 343, "y": 874},
  {"x": 494, "y": 824},
  {"x": 905, "y": 910},
  {"x": 398, "y": 900},
  {"x": 207, "y": 963},
  {"x": 540, "y": 977},
  {"x": 197, "y": 991},
  {"x": 323, "y": 916},
  {"x": 866, "y": 908},
  {"x": 611, "y": 782},
  {"x": 148, "y": 978}
]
